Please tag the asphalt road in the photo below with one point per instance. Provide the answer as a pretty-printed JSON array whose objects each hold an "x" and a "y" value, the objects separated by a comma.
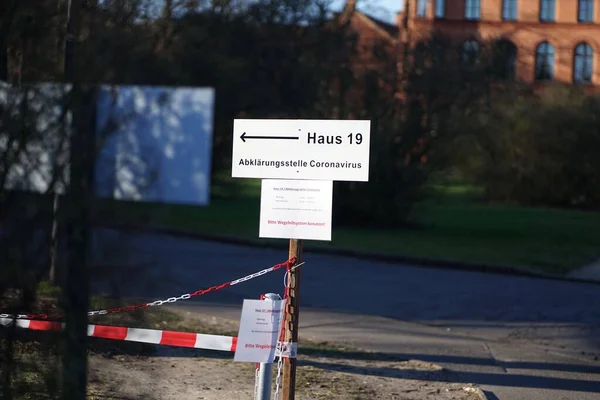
[{"x": 516, "y": 337}]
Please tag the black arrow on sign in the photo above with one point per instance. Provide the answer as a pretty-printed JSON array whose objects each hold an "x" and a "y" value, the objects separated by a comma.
[{"x": 244, "y": 137}]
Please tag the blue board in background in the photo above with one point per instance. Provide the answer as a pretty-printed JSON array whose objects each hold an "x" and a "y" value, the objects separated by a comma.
[{"x": 157, "y": 143}]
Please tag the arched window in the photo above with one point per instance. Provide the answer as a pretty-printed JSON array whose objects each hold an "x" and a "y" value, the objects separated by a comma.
[
  {"x": 547, "y": 10},
  {"x": 470, "y": 52},
  {"x": 421, "y": 8},
  {"x": 544, "y": 62},
  {"x": 509, "y": 10},
  {"x": 440, "y": 8},
  {"x": 586, "y": 11},
  {"x": 505, "y": 59},
  {"x": 583, "y": 63},
  {"x": 472, "y": 9}
]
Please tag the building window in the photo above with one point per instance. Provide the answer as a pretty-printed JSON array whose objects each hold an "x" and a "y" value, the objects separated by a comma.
[
  {"x": 586, "y": 11},
  {"x": 421, "y": 8},
  {"x": 472, "y": 9},
  {"x": 505, "y": 59},
  {"x": 583, "y": 63},
  {"x": 440, "y": 8},
  {"x": 544, "y": 62},
  {"x": 547, "y": 10},
  {"x": 470, "y": 52},
  {"x": 509, "y": 10}
]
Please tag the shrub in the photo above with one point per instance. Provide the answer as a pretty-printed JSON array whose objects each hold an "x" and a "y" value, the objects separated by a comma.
[{"x": 534, "y": 148}]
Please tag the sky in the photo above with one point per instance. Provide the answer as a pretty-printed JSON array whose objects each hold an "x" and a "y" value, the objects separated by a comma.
[{"x": 383, "y": 9}]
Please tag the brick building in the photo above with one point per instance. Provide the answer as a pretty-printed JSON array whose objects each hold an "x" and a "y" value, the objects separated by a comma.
[
  {"x": 373, "y": 36},
  {"x": 546, "y": 39}
]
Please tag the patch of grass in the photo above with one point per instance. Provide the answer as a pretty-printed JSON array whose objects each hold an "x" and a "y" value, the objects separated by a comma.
[
  {"x": 48, "y": 289},
  {"x": 455, "y": 192},
  {"x": 148, "y": 318},
  {"x": 552, "y": 241},
  {"x": 454, "y": 224}
]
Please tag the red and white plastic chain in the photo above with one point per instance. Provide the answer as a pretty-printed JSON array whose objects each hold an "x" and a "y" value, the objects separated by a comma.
[{"x": 187, "y": 296}]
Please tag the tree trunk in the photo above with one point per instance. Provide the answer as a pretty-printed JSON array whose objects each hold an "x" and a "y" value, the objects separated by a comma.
[{"x": 75, "y": 293}]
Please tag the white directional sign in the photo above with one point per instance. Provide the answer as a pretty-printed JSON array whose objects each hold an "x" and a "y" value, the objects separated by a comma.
[{"x": 333, "y": 150}]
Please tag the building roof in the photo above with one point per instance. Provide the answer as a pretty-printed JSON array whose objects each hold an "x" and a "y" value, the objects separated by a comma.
[{"x": 390, "y": 29}]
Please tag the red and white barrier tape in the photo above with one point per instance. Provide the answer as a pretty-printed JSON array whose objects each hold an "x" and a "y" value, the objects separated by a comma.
[
  {"x": 152, "y": 336},
  {"x": 186, "y": 296}
]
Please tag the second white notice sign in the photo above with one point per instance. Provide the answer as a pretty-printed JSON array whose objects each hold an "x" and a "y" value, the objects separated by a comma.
[{"x": 296, "y": 209}]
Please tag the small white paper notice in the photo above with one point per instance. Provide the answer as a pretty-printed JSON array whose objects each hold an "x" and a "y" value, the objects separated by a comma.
[
  {"x": 296, "y": 209},
  {"x": 259, "y": 331}
]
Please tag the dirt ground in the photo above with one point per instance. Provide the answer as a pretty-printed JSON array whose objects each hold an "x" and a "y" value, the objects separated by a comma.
[
  {"x": 189, "y": 377},
  {"x": 174, "y": 373},
  {"x": 130, "y": 371}
]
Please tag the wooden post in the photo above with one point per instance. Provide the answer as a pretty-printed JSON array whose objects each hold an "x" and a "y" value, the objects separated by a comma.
[{"x": 288, "y": 391}]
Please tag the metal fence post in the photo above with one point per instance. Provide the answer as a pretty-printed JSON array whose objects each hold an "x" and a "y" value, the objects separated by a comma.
[{"x": 265, "y": 369}]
